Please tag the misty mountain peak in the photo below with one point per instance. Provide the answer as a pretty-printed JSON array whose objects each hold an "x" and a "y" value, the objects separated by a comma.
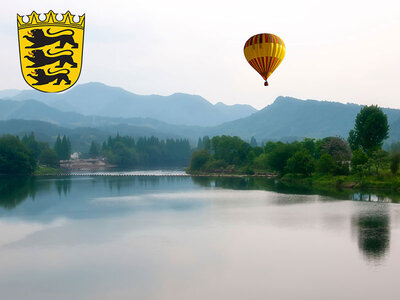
[{"x": 95, "y": 98}]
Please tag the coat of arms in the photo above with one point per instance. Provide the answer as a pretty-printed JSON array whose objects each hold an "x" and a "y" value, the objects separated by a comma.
[{"x": 51, "y": 50}]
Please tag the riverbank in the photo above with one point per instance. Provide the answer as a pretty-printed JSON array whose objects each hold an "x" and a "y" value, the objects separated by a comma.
[
  {"x": 45, "y": 170},
  {"x": 384, "y": 182},
  {"x": 230, "y": 174}
]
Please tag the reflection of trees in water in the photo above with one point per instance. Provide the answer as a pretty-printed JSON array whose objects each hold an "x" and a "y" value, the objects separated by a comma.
[
  {"x": 373, "y": 233},
  {"x": 235, "y": 183},
  {"x": 369, "y": 197},
  {"x": 267, "y": 184},
  {"x": 223, "y": 182},
  {"x": 15, "y": 190},
  {"x": 63, "y": 186},
  {"x": 121, "y": 182}
]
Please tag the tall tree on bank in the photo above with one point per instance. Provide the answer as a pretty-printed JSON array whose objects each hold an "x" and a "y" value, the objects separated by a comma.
[
  {"x": 253, "y": 142},
  {"x": 63, "y": 147},
  {"x": 66, "y": 146},
  {"x": 370, "y": 130},
  {"x": 15, "y": 157},
  {"x": 58, "y": 146},
  {"x": 94, "y": 150}
]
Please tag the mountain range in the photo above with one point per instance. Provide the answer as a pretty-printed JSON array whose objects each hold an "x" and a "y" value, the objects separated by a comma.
[
  {"x": 94, "y": 111},
  {"x": 290, "y": 118},
  {"x": 101, "y": 100}
]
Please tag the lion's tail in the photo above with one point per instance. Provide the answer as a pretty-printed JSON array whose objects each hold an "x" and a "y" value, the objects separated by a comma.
[
  {"x": 69, "y": 51},
  {"x": 48, "y": 71},
  {"x": 70, "y": 30}
]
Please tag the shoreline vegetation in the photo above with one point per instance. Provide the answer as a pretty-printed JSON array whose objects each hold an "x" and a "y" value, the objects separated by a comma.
[
  {"x": 356, "y": 163},
  {"x": 350, "y": 182}
]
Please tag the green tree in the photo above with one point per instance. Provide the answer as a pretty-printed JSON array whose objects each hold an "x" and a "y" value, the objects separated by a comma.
[
  {"x": 340, "y": 151},
  {"x": 200, "y": 144},
  {"x": 261, "y": 162},
  {"x": 270, "y": 146},
  {"x": 337, "y": 147},
  {"x": 379, "y": 159},
  {"x": 66, "y": 148},
  {"x": 326, "y": 164},
  {"x": 279, "y": 154},
  {"x": 309, "y": 145},
  {"x": 30, "y": 142},
  {"x": 199, "y": 159},
  {"x": 395, "y": 147},
  {"x": 358, "y": 161},
  {"x": 58, "y": 148},
  {"x": 94, "y": 150},
  {"x": 394, "y": 162},
  {"x": 300, "y": 163},
  {"x": 370, "y": 130},
  {"x": 253, "y": 142},
  {"x": 49, "y": 158},
  {"x": 232, "y": 150},
  {"x": 124, "y": 151},
  {"x": 123, "y": 156},
  {"x": 207, "y": 143},
  {"x": 15, "y": 157}
]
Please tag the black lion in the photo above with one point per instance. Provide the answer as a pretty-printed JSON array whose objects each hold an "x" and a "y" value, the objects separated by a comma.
[
  {"x": 42, "y": 78},
  {"x": 40, "y": 59},
  {"x": 39, "y": 39}
]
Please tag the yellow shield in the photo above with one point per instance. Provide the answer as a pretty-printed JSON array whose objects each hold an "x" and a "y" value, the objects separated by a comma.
[{"x": 51, "y": 50}]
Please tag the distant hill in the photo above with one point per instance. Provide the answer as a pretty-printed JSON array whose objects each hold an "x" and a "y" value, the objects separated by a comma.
[
  {"x": 80, "y": 137},
  {"x": 35, "y": 110},
  {"x": 9, "y": 93},
  {"x": 102, "y": 100},
  {"x": 286, "y": 119},
  {"x": 290, "y": 118}
]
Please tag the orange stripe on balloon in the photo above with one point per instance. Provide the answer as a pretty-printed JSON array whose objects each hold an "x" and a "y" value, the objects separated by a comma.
[
  {"x": 259, "y": 70},
  {"x": 271, "y": 63}
]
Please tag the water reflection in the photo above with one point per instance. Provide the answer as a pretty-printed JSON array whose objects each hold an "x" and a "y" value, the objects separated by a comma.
[
  {"x": 183, "y": 232},
  {"x": 369, "y": 197},
  {"x": 373, "y": 233},
  {"x": 63, "y": 186},
  {"x": 15, "y": 190},
  {"x": 256, "y": 183}
]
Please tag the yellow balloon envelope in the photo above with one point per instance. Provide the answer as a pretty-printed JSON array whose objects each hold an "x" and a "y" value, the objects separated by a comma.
[{"x": 264, "y": 52}]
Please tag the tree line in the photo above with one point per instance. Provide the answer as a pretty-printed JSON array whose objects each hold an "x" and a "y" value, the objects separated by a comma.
[
  {"x": 23, "y": 156},
  {"x": 125, "y": 151},
  {"x": 361, "y": 154}
]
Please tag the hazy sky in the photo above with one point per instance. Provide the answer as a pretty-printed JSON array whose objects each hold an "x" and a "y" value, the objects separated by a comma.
[{"x": 346, "y": 51}]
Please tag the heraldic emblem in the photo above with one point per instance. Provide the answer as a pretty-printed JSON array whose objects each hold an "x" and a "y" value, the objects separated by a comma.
[{"x": 51, "y": 50}]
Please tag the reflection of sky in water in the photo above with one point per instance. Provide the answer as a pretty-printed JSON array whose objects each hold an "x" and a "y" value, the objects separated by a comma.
[{"x": 184, "y": 238}]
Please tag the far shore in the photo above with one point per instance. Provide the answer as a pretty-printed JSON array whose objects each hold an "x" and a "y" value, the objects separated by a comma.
[
  {"x": 112, "y": 173},
  {"x": 349, "y": 182}
]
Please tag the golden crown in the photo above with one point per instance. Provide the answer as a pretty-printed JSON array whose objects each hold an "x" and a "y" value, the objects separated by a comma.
[{"x": 51, "y": 20}]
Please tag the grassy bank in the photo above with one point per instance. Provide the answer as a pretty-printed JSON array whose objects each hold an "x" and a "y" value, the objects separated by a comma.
[
  {"x": 44, "y": 170},
  {"x": 384, "y": 182}
]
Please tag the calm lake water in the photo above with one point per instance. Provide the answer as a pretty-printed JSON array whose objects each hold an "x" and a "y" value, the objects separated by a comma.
[{"x": 154, "y": 237}]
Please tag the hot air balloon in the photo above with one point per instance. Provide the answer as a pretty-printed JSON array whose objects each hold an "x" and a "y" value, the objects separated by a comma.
[{"x": 264, "y": 52}]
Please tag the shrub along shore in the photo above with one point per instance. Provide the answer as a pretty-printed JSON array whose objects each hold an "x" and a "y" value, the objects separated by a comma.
[{"x": 359, "y": 162}]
